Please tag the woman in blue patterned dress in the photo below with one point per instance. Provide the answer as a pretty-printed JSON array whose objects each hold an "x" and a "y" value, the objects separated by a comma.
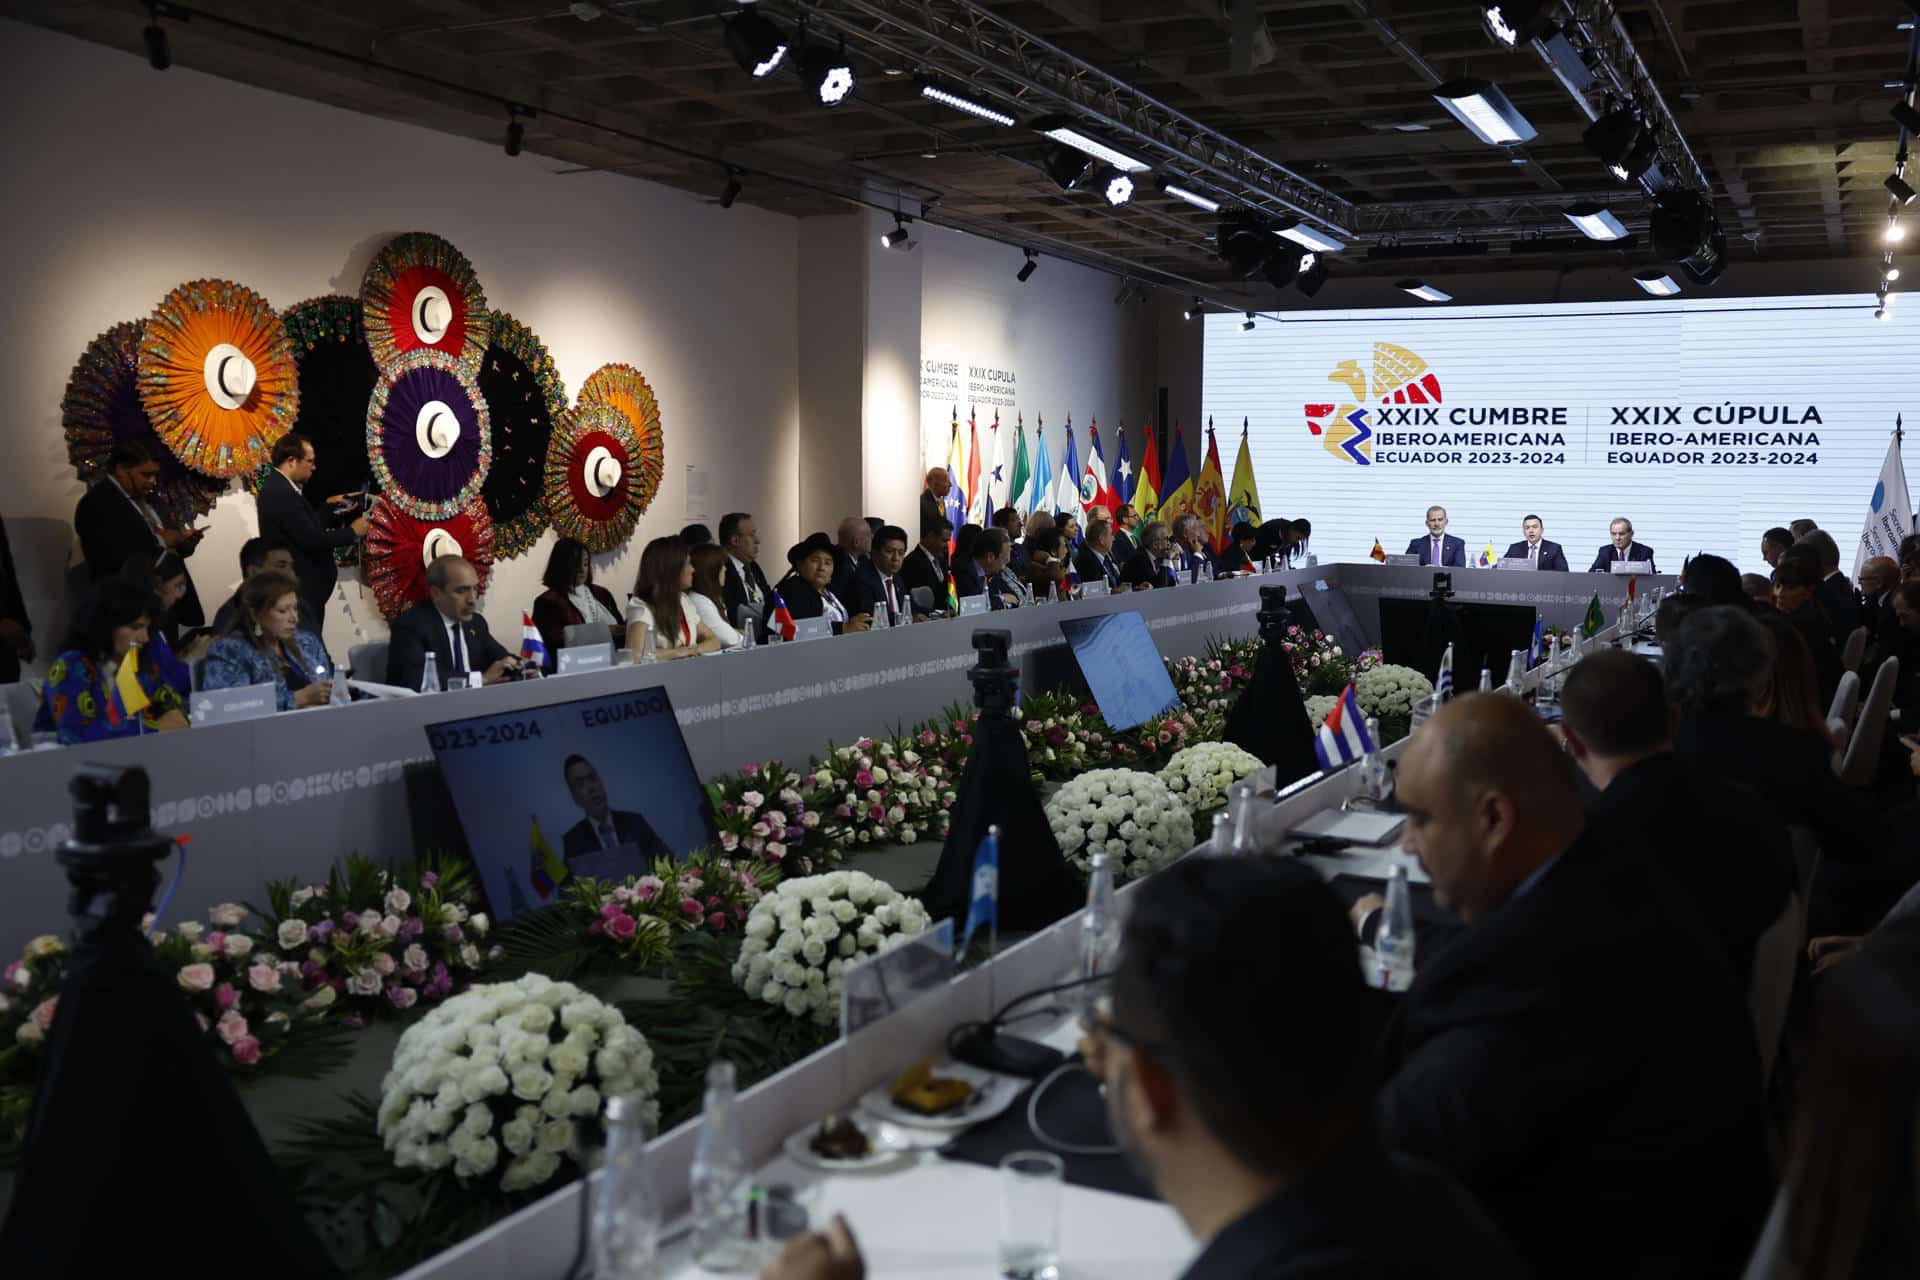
[
  {"x": 81, "y": 702},
  {"x": 265, "y": 645}
]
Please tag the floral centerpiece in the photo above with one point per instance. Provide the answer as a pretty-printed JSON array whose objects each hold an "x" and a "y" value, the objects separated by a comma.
[
  {"x": 383, "y": 939},
  {"x": 1388, "y": 692},
  {"x": 806, "y": 934},
  {"x": 764, "y": 814},
  {"x": 1209, "y": 686},
  {"x": 1319, "y": 664},
  {"x": 1139, "y": 823},
  {"x": 489, "y": 1083},
  {"x": 1201, "y": 774},
  {"x": 879, "y": 791},
  {"x": 29, "y": 995}
]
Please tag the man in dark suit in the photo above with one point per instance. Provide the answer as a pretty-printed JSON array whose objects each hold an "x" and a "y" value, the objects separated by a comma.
[
  {"x": 1535, "y": 549},
  {"x": 1621, "y": 547},
  {"x": 1722, "y": 843},
  {"x": 1008, "y": 519},
  {"x": 1096, "y": 562},
  {"x": 1796, "y": 594},
  {"x": 115, "y": 523},
  {"x": 1195, "y": 563},
  {"x": 741, "y": 581},
  {"x": 1835, "y": 591},
  {"x": 1578, "y": 1057},
  {"x": 933, "y": 498},
  {"x": 16, "y": 629},
  {"x": 604, "y": 827},
  {"x": 1125, "y": 521},
  {"x": 448, "y": 625},
  {"x": 288, "y": 518},
  {"x": 982, "y": 574},
  {"x": 853, "y": 542},
  {"x": 1152, "y": 564},
  {"x": 1439, "y": 547},
  {"x": 926, "y": 564},
  {"x": 258, "y": 556},
  {"x": 878, "y": 586}
]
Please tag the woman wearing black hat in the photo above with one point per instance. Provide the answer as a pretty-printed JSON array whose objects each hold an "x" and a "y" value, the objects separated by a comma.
[{"x": 806, "y": 592}]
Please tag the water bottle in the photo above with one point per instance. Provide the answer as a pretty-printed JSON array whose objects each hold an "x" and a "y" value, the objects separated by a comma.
[
  {"x": 626, "y": 1209},
  {"x": 430, "y": 675},
  {"x": 1099, "y": 930},
  {"x": 1394, "y": 941},
  {"x": 1516, "y": 670},
  {"x": 1241, "y": 809},
  {"x": 341, "y": 696},
  {"x": 1221, "y": 841},
  {"x": 646, "y": 653},
  {"x": 1486, "y": 680},
  {"x": 718, "y": 1179}
]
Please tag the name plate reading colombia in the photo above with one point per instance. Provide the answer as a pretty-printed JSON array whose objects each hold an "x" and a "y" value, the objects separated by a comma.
[
  {"x": 972, "y": 606},
  {"x": 586, "y": 657},
  {"x": 229, "y": 706},
  {"x": 598, "y": 786}
]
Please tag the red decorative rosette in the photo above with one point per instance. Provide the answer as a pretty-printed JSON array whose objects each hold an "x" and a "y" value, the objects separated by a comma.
[
  {"x": 421, "y": 293},
  {"x": 593, "y": 484},
  {"x": 400, "y": 546},
  {"x": 624, "y": 387}
]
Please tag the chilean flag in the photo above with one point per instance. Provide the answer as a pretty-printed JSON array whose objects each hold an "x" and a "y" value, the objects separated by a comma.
[
  {"x": 782, "y": 621},
  {"x": 532, "y": 647},
  {"x": 1343, "y": 735}
]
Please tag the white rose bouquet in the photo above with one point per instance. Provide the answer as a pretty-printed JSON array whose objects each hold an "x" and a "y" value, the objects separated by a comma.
[
  {"x": 806, "y": 934},
  {"x": 1201, "y": 774},
  {"x": 1389, "y": 691},
  {"x": 490, "y": 1082},
  {"x": 1139, "y": 823},
  {"x": 1319, "y": 706}
]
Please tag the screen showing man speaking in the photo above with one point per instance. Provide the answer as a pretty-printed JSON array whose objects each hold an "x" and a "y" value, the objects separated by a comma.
[{"x": 600, "y": 787}]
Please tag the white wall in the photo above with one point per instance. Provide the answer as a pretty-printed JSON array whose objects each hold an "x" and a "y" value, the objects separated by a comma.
[
  {"x": 1074, "y": 350},
  {"x": 122, "y": 183}
]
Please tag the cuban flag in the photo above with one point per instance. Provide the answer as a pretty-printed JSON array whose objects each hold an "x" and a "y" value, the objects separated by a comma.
[
  {"x": 1537, "y": 654},
  {"x": 1443, "y": 683},
  {"x": 532, "y": 647},
  {"x": 782, "y": 621},
  {"x": 1343, "y": 735},
  {"x": 984, "y": 909}
]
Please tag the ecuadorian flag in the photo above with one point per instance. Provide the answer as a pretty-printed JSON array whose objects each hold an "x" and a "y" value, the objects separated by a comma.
[{"x": 546, "y": 869}]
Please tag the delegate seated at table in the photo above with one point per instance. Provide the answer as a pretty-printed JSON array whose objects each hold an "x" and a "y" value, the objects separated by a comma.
[
  {"x": 662, "y": 605},
  {"x": 266, "y": 646},
  {"x": 448, "y": 625},
  {"x": 1621, "y": 548},
  {"x": 1536, "y": 550},
  {"x": 82, "y": 701},
  {"x": 1439, "y": 547},
  {"x": 806, "y": 591}
]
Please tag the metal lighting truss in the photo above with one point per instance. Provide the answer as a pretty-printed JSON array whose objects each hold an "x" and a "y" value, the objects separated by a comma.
[
  {"x": 1481, "y": 217},
  {"x": 1593, "y": 57},
  {"x": 996, "y": 60}
]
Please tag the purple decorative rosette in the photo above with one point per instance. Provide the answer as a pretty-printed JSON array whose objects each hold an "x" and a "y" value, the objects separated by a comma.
[{"x": 429, "y": 437}]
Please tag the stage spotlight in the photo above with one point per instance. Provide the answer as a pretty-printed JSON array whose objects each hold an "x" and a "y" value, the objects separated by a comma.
[
  {"x": 898, "y": 237},
  {"x": 1680, "y": 223},
  {"x": 1892, "y": 274},
  {"x": 1282, "y": 265},
  {"x": 756, "y": 44},
  {"x": 1194, "y": 198},
  {"x": 1612, "y": 138},
  {"x": 1243, "y": 243},
  {"x": 979, "y": 110},
  {"x": 827, "y": 73},
  {"x": 1516, "y": 22},
  {"x": 1028, "y": 267},
  {"x": 1422, "y": 291},
  {"x": 1706, "y": 265},
  {"x": 1193, "y": 309},
  {"x": 1065, "y": 129},
  {"x": 1895, "y": 232},
  {"x": 159, "y": 56},
  {"x": 1485, "y": 110},
  {"x": 1066, "y": 166},
  {"x": 1656, "y": 282},
  {"x": 1119, "y": 188},
  {"x": 730, "y": 192},
  {"x": 1900, "y": 190},
  {"x": 1313, "y": 274},
  {"x": 1879, "y": 313},
  {"x": 1246, "y": 326},
  {"x": 1906, "y": 117},
  {"x": 1596, "y": 222}
]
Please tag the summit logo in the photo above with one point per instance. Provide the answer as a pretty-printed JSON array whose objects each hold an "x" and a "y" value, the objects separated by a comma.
[{"x": 1398, "y": 377}]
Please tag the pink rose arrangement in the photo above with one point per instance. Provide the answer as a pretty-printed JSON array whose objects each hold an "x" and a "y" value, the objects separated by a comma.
[
  {"x": 244, "y": 993},
  {"x": 768, "y": 816},
  {"x": 880, "y": 791}
]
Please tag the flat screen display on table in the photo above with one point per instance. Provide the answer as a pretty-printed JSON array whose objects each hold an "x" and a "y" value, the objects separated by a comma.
[
  {"x": 1704, "y": 421},
  {"x": 1122, "y": 667},
  {"x": 596, "y": 787}
]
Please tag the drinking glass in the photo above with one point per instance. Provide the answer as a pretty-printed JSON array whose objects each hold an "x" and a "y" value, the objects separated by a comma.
[{"x": 1030, "y": 1185}]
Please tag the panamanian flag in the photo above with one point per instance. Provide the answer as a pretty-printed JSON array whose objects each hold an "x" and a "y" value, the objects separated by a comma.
[{"x": 1343, "y": 735}]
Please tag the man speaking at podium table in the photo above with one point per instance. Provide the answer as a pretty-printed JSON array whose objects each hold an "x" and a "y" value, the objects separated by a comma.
[
  {"x": 1535, "y": 549},
  {"x": 1439, "y": 547},
  {"x": 603, "y": 827},
  {"x": 1622, "y": 548}
]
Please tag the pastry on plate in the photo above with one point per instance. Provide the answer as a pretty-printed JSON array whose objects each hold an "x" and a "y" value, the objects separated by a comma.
[
  {"x": 840, "y": 1138},
  {"x": 920, "y": 1091}
]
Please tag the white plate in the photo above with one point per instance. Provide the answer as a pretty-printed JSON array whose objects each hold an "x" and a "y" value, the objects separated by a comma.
[
  {"x": 992, "y": 1094},
  {"x": 888, "y": 1143}
]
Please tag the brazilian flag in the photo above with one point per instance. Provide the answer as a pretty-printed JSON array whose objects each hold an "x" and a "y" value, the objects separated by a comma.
[{"x": 1591, "y": 624}]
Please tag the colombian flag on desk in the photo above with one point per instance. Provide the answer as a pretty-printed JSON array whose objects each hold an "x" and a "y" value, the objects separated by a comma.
[
  {"x": 546, "y": 869},
  {"x": 128, "y": 698}
]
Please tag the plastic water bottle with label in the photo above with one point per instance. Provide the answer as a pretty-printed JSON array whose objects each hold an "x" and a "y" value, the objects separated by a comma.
[
  {"x": 626, "y": 1207},
  {"x": 430, "y": 675},
  {"x": 1394, "y": 941},
  {"x": 719, "y": 1179}
]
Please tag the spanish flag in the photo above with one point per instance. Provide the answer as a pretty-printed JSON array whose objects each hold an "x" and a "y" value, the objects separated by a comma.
[
  {"x": 129, "y": 697},
  {"x": 1210, "y": 496},
  {"x": 546, "y": 868},
  {"x": 1379, "y": 552}
]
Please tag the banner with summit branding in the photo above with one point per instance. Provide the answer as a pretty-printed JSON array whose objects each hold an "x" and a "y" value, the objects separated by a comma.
[{"x": 1703, "y": 422}]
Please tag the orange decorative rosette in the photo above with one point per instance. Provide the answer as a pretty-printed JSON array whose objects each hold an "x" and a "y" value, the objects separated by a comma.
[{"x": 216, "y": 377}]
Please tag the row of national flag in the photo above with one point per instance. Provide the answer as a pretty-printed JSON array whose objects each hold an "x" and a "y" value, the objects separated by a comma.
[{"x": 1001, "y": 472}]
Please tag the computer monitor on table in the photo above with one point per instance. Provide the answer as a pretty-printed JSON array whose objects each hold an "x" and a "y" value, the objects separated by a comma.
[
  {"x": 595, "y": 787},
  {"x": 1122, "y": 667}
]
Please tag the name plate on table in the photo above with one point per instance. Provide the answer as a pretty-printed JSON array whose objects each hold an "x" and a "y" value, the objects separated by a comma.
[
  {"x": 1404, "y": 561},
  {"x": 1630, "y": 566},
  {"x": 1514, "y": 562},
  {"x": 896, "y": 978},
  {"x": 1094, "y": 590},
  {"x": 812, "y": 628},
  {"x": 230, "y": 706},
  {"x": 586, "y": 657},
  {"x": 972, "y": 606}
]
